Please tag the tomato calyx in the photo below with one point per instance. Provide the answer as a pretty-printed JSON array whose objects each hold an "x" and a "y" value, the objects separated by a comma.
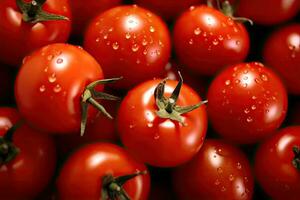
[
  {"x": 90, "y": 96},
  {"x": 227, "y": 9},
  {"x": 112, "y": 187},
  {"x": 296, "y": 159},
  {"x": 167, "y": 106},
  {"x": 8, "y": 151},
  {"x": 33, "y": 12}
]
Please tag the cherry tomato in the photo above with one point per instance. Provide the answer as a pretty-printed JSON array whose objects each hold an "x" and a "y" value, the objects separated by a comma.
[
  {"x": 50, "y": 99},
  {"x": 29, "y": 172},
  {"x": 277, "y": 164},
  {"x": 6, "y": 84},
  {"x": 83, "y": 174},
  {"x": 246, "y": 102},
  {"x": 129, "y": 41},
  {"x": 83, "y": 12},
  {"x": 206, "y": 40},
  {"x": 268, "y": 12},
  {"x": 22, "y": 37},
  {"x": 159, "y": 139},
  {"x": 282, "y": 52},
  {"x": 218, "y": 171},
  {"x": 168, "y": 9}
]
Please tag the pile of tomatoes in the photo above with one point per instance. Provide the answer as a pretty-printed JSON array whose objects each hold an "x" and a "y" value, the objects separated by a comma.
[{"x": 149, "y": 99}]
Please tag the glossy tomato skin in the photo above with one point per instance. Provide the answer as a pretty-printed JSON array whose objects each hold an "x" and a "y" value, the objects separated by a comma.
[
  {"x": 282, "y": 52},
  {"x": 81, "y": 175},
  {"x": 219, "y": 171},
  {"x": 273, "y": 165},
  {"x": 206, "y": 40},
  {"x": 30, "y": 172},
  {"x": 50, "y": 99},
  {"x": 129, "y": 41},
  {"x": 278, "y": 11},
  {"x": 168, "y": 9},
  {"x": 24, "y": 37},
  {"x": 246, "y": 102},
  {"x": 156, "y": 141},
  {"x": 83, "y": 12}
]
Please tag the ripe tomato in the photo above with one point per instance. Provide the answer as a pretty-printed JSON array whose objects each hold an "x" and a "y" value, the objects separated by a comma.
[
  {"x": 129, "y": 41},
  {"x": 84, "y": 173},
  {"x": 83, "y": 12},
  {"x": 29, "y": 172},
  {"x": 152, "y": 133},
  {"x": 218, "y": 171},
  {"x": 21, "y": 37},
  {"x": 268, "y": 12},
  {"x": 282, "y": 52},
  {"x": 59, "y": 74},
  {"x": 168, "y": 9},
  {"x": 277, "y": 164},
  {"x": 206, "y": 40},
  {"x": 247, "y": 102}
]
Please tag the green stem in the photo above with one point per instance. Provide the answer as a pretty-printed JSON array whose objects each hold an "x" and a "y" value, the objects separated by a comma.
[{"x": 296, "y": 159}]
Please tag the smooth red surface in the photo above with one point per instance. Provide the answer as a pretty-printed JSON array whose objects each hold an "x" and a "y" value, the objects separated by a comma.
[
  {"x": 268, "y": 12},
  {"x": 81, "y": 176},
  {"x": 168, "y": 9},
  {"x": 129, "y": 41},
  {"x": 21, "y": 38},
  {"x": 273, "y": 165},
  {"x": 206, "y": 40},
  {"x": 32, "y": 169},
  {"x": 84, "y": 11},
  {"x": 156, "y": 141},
  {"x": 246, "y": 102},
  {"x": 49, "y": 86},
  {"x": 282, "y": 52},
  {"x": 219, "y": 171}
]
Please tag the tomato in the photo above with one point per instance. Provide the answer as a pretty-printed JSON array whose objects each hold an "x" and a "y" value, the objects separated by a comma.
[
  {"x": 153, "y": 133},
  {"x": 168, "y": 9},
  {"x": 129, "y": 41},
  {"x": 6, "y": 84},
  {"x": 83, "y": 12},
  {"x": 84, "y": 173},
  {"x": 51, "y": 98},
  {"x": 282, "y": 52},
  {"x": 246, "y": 102},
  {"x": 206, "y": 40},
  {"x": 21, "y": 37},
  {"x": 277, "y": 11},
  {"x": 218, "y": 171},
  {"x": 29, "y": 172},
  {"x": 277, "y": 164}
]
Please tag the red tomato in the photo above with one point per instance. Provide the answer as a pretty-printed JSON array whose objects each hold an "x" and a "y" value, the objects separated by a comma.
[
  {"x": 218, "y": 171},
  {"x": 83, "y": 12},
  {"x": 81, "y": 177},
  {"x": 268, "y": 12},
  {"x": 169, "y": 9},
  {"x": 50, "y": 99},
  {"x": 282, "y": 52},
  {"x": 246, "y": 102},
  {"x": 28, "y": 174},
  {"x": 160, "y": 140},
  {"x": 206, "y": 40},
  {"x": 129, "y": 41},
  {"x": 22, "y": 37},
  {"x": 277, "y": 165},
  {"x": 6, "y": 84}
]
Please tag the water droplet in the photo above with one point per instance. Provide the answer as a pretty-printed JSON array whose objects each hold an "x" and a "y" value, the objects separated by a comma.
[
  {"x": 46, "y": 69},
  {"x": 108, "y": 43},
  {"x": 228, "y": 36},
  {"x": 237, "y": 42},
  {"x": 254, "y": 97},
  {"x": 59, "y": 61},
  {"x": 138, "y": 61},
  {"x": 223, "y": 91},
  {"x": 249, "y": 119},
  {"x": 223, "y": 24},
  {"x": 115, "y": 45},
  {"x": 215, "y": 42},
  {"x": 111, "y": 29},
  {"x": 50, "y": 57},
  {"x": 219, "y": 170},
  {"x": 264, "y": 77},
  {"x": 52, "y": 78},
  {"x": 151, "y": 29},
  {"x": 131, "y": 126},
  {"x": 227, "y": 82},
  {"x": 246, "y": 179},
  {"x": 127, "y": 36},
  {"x": 253, "y": 107},
  {"x": 42, "y": 88},
  {"x": 144, "y": 42},
  {"x": 239, "y": 166},
  {"x": 230, "y": 21},
  {"x": 231, "y": 177},
  {"x": 217, "y": 182},
  {"x": 192, "y": 8},
  {"x": 57, "y": 88},
  {"x": 220, "y": 38},
  {"x": 156, "y": 137},
  {"x": 204, "y": 34},
  {"x": 223, "y": 189},
  {"x": 245, "y": 85},
  {"x": 197, "y": 31},
  {"x": 209, "y": 48},
  {"x": 135, "y": 47},
  {"x": 257, "y": 80},
  {"x": 145, "y": 52},
  {"x": 235, "y": 29},
  {"x": 247, "y": 110},
  {"x": 237, "y": 81},
  {"x": 150, "y": 124},
  {"x": 191, "y": 41}
]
